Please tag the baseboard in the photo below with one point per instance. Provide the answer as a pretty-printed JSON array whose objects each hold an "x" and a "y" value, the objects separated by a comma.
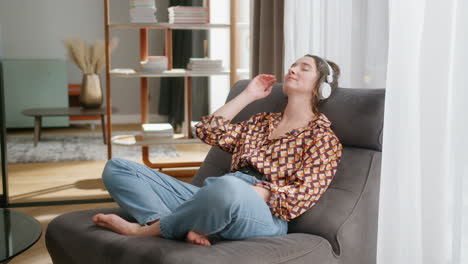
[{"x": 125, "y": 119}]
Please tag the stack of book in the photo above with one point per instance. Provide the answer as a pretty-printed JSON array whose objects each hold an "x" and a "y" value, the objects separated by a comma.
[
  {"x": 142, "y": 11},
  {"x": 154, "y": 64},
  {"x": 188, "y": 15},
  {"x": 159, "y": 130},
  {"x": 205, "y": 65}
]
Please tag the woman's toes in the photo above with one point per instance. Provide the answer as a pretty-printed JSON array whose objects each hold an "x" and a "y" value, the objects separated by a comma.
[
  {"x": 195, "y": 238},
  {"x": 95, "y": 218}
]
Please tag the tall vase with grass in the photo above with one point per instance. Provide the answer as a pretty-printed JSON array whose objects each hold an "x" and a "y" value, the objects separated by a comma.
[{"x": 90, "y": 58}]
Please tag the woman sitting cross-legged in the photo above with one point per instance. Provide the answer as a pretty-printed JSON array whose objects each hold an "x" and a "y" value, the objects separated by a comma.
[{"x": 295, "y": 152}]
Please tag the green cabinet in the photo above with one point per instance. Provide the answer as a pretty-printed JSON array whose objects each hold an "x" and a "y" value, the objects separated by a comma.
[
  {"x": 3, "y": 182},
  {"x": 34, "y": 83}
]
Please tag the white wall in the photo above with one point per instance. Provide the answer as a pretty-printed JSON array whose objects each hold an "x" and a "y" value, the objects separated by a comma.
[{"x": 36, "y": 29}]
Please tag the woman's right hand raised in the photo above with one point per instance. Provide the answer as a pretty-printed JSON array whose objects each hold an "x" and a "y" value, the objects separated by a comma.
[{"x": 260, "y": 86}]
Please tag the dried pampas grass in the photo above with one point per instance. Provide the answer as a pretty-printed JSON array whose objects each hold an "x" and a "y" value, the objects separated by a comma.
[{"x": 89, "y": 58}]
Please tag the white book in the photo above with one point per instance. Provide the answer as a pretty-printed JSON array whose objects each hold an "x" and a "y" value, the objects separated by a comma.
[
  {"x": 188, "y": 13},
  {"x": 143, "y": 21},
  {"x": 205, "y": 61},
  {"x": 213, "y": 65},
  {"x": 123, "y": 71},
  {"x": 142, "y": 6},
  {"x": 206, "y": 70},
  {"x": 142, "y": 11},
  {"x": 124, "y": 140},
  {"x": 185, "y": 8},
  {"x": 188, "y": 16},
  {"x": 142, "y": 2},
  {"x": 160, "y": 130},
  {"x": 143, "y": 18},
  {"x": 187, "y": 21},
  {"x": 206, "y": 64}
]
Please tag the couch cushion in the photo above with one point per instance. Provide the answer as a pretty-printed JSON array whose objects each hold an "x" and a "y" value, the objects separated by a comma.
[
  {"x": 356, "y": 114},
  {"x": 357, "y": 119},
  {"x": 338, "y": 203},
  {"x": 87, "y": 243}
]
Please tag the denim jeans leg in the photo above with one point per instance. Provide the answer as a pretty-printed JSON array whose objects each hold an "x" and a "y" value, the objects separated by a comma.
[
  {"x": 227, "y": 206},
  {"x": 144, "y": 193}
]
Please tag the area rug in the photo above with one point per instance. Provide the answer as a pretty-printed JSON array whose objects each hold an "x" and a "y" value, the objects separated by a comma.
[{"x": 75, "y": 147}]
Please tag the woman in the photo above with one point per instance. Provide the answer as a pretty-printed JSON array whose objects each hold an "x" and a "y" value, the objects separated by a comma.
[{"x": 296, "y": 152}]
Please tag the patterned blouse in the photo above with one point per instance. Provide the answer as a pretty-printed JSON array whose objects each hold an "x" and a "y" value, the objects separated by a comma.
[{"x": 298, "y": 166}]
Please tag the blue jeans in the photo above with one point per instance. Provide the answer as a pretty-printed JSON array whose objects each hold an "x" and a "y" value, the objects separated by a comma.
[{"x": 226, "y": 206}]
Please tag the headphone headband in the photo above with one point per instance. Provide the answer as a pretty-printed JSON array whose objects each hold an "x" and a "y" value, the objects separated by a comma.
[
  {"x": 329, "y": 78},
  {"x": 325, "y": 88}
]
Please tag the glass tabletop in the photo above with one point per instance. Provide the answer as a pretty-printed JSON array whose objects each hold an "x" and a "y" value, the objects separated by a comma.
[{"x": 18, "y": 232}]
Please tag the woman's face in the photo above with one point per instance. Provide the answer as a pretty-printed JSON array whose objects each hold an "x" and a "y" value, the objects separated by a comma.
[{"x": 301, "y": 77}]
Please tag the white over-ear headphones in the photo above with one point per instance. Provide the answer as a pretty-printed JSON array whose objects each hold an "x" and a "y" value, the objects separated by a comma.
[{"x": 325, "y": 88}]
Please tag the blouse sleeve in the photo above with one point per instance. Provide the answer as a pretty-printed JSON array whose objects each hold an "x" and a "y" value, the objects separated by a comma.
[
  {"x": 309, "y": 182},
  {"x": 218, "y": 131}
]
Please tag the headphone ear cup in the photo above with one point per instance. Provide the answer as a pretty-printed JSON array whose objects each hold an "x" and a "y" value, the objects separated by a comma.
[{"x": 324, "y": 90}]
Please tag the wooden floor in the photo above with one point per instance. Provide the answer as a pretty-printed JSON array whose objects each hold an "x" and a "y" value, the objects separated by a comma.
[{"x": 38, "y": 182}]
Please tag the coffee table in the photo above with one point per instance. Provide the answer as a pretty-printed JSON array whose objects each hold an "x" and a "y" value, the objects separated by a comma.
[
  {"x": 38, "y": 113},
  {"x": 18, "y": 232}
]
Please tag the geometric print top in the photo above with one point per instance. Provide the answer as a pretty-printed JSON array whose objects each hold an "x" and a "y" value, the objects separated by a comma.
[{"x": 298, "y": 166}]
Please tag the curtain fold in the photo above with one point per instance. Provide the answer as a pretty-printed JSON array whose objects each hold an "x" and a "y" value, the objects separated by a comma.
[
  {"x": 424, "y": 185},
  {"x": 186, "y": 44},
  {"x": 423, "y": 204},
  {"x": 267, "y": 38}
]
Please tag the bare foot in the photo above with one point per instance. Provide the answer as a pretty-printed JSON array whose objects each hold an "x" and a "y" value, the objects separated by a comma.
[
  {"x": 195, "y": 238},
  {"x": 119, "y": 225}
]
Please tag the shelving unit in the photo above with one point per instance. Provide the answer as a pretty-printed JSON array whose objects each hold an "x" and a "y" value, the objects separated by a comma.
[
  {"x": 168, "y": 28},
  {"x": 171, "y": 73}
]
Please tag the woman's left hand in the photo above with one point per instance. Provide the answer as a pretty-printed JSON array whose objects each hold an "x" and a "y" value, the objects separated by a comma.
[{"x": 264, "y": 193}]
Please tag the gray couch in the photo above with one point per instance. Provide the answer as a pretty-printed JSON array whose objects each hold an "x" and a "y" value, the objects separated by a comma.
[{"x": 340, "y": 228}]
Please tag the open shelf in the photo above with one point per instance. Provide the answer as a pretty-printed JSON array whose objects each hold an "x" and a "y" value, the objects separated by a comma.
[
  {"x": 144, "y": 141},
  {"x": 167, "y": 25},
  {"x": 141, "y": 140},
  {"x": 169, "y": 73}
]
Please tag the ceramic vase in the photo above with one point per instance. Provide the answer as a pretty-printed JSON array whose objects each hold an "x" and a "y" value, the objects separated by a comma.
[{"x": 91, "y": 92}]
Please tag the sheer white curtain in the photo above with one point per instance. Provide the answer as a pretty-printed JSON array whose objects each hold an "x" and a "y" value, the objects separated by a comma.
[
  {"x": 352, "y": 33},
  {"x": 424, "y": 185},
  {"x": 423, "y": 217}
]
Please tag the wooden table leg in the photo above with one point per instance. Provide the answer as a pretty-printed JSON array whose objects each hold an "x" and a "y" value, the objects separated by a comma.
[
  {"x": 188, "y": 107},
  {"x": 40, "y": 126},
  {"x": 37, "y": 129},
  {"x": 103, "y": 125}
]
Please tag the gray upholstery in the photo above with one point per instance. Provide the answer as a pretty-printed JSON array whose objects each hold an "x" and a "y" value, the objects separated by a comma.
[{"x": 340, "y": 228}]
